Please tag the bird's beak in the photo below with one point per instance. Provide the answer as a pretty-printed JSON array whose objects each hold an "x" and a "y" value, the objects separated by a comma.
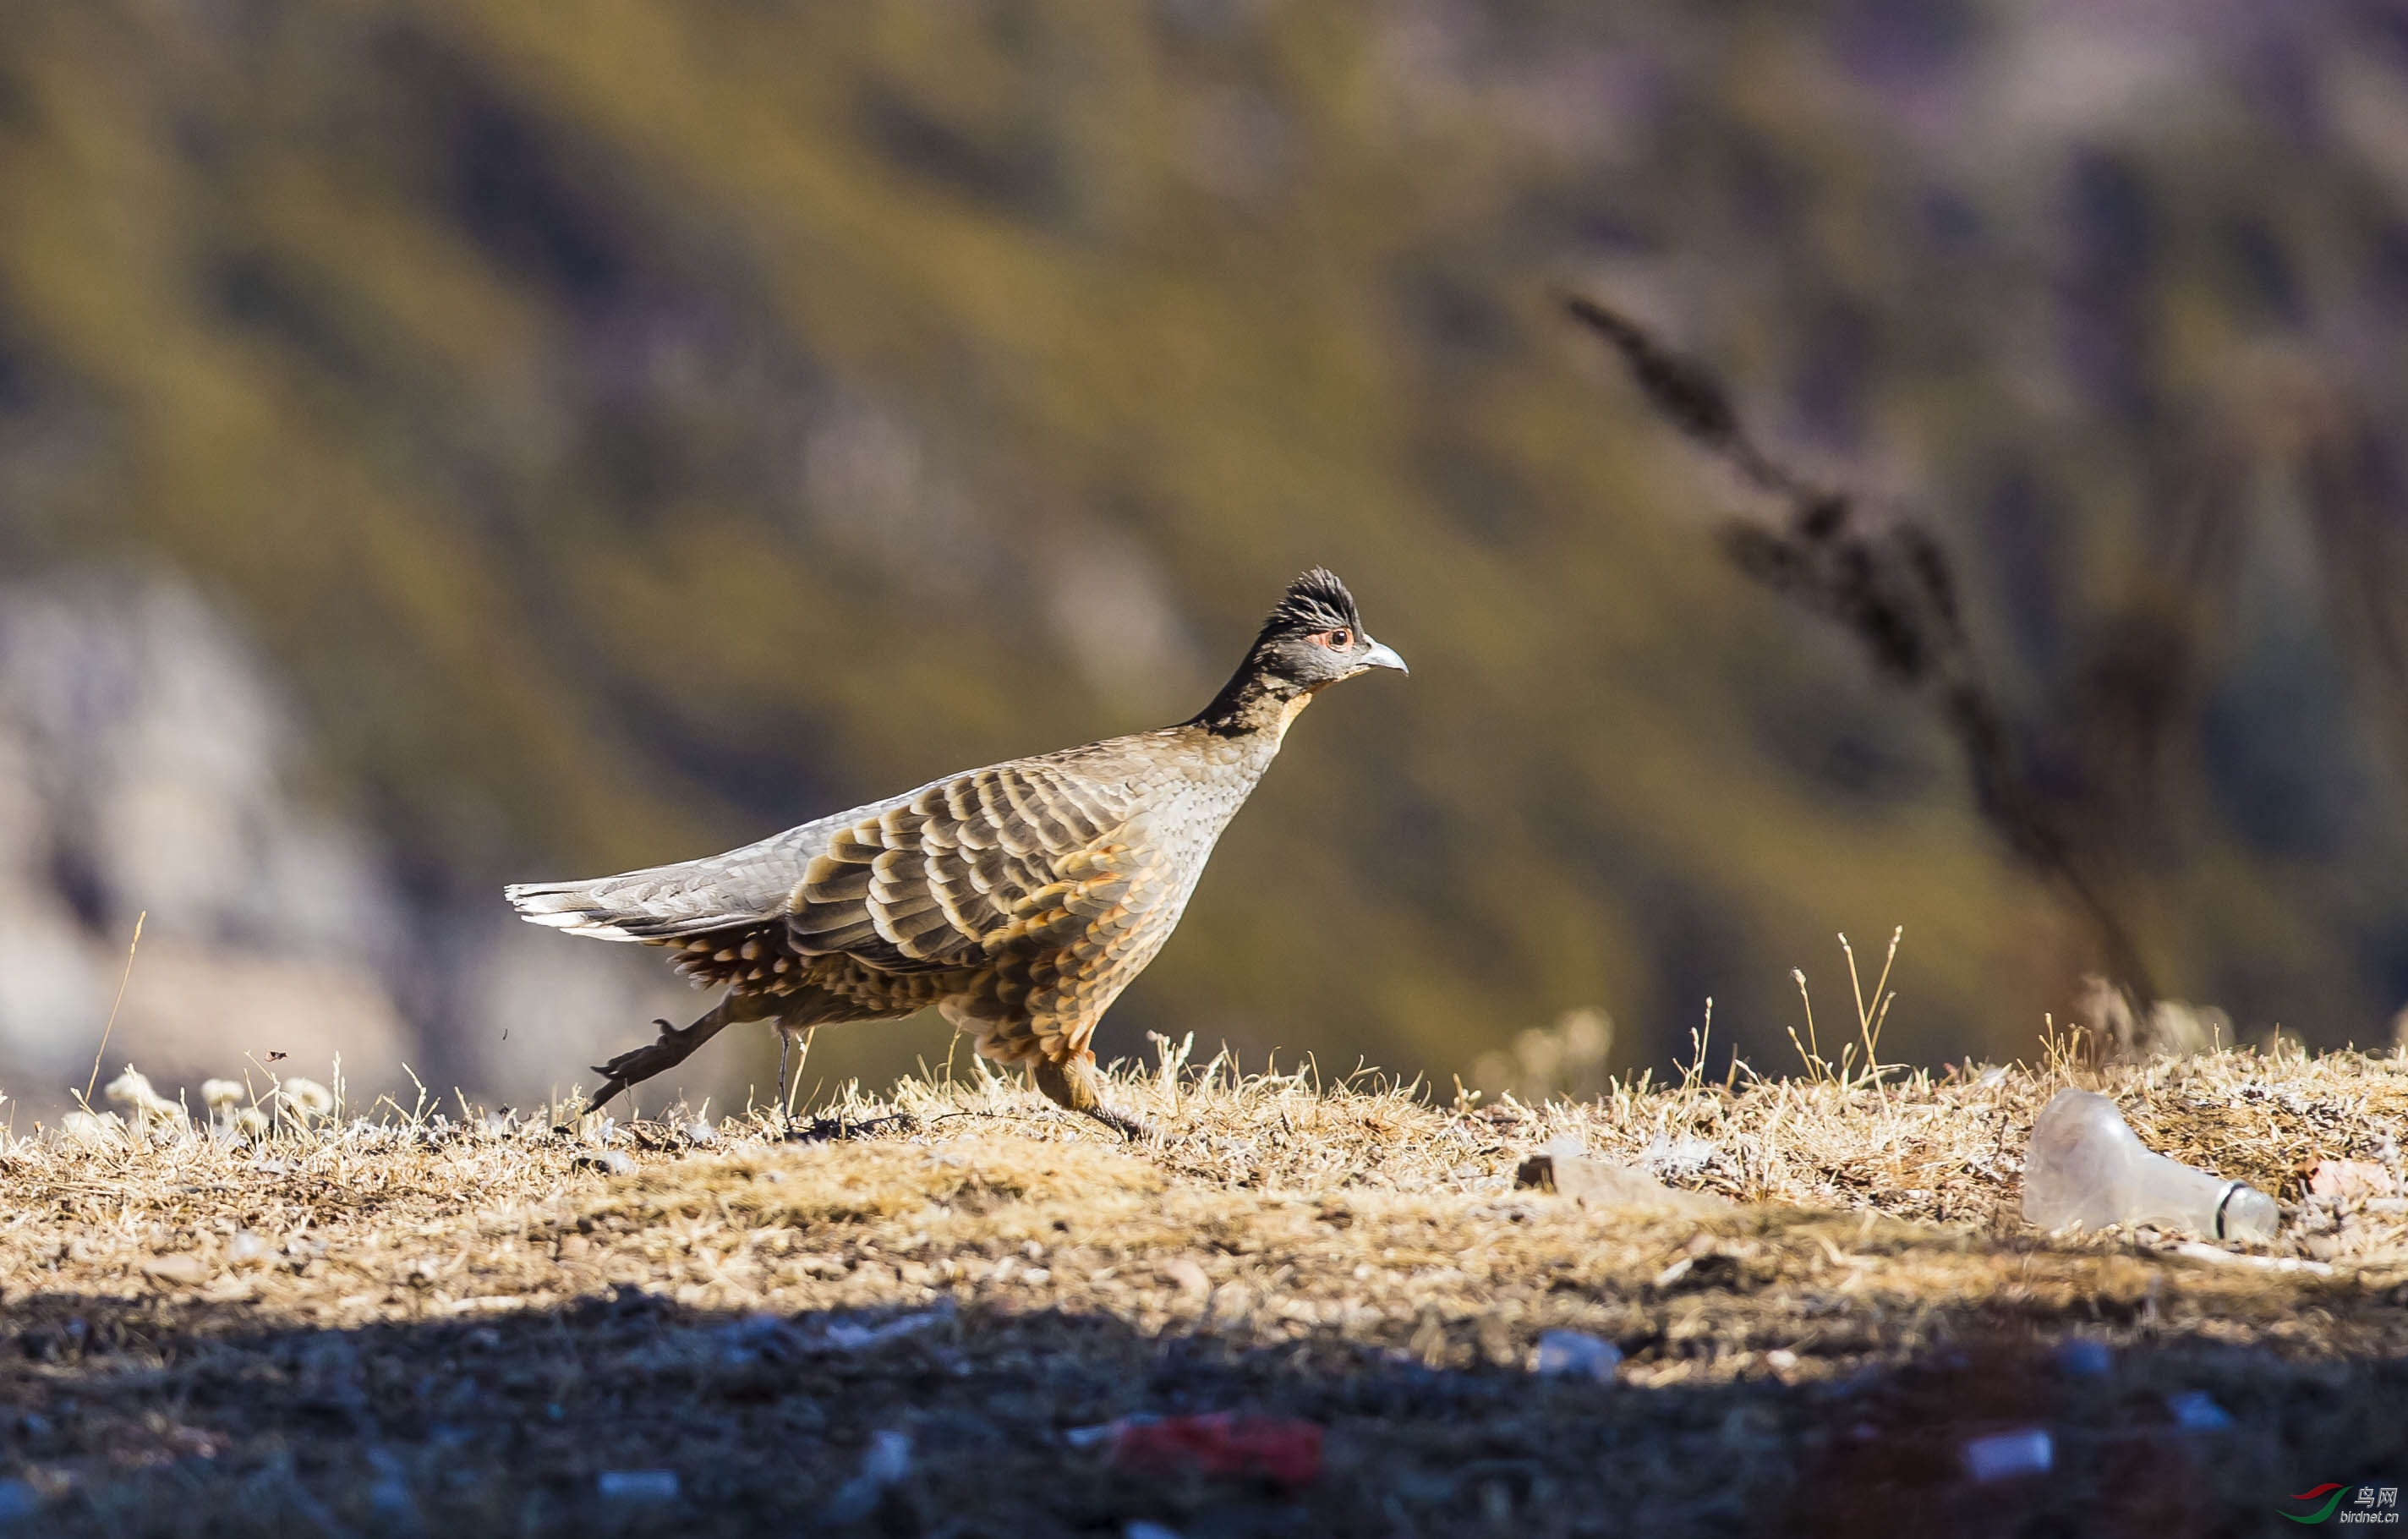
[{"x": 1385, "y": 656}]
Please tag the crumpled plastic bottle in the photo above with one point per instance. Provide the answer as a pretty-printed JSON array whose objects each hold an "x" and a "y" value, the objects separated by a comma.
[{"x": 2086, "y": 1165}]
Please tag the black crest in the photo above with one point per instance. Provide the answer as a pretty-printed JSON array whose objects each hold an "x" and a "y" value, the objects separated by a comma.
[{"x": 1315, "y": 602}]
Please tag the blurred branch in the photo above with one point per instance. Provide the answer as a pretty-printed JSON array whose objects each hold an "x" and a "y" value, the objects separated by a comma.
[
  {"x": 1893, "y": 588},
  {"x": 2358, "y": 508}
]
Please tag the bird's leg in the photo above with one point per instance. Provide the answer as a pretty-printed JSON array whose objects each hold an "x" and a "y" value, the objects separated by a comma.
[
  {"x": 802, "y": 1057},
  {"x": 1074, "y": 1085},
  {"x": 674, "y": 1046},
  {"x": 785, "y": 1045}
]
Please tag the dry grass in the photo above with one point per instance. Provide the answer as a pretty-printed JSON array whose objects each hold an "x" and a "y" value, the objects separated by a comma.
[{"x": 417, "y": 1326}]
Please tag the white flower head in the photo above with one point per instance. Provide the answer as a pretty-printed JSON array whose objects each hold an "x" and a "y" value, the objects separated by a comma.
[
  {"x": 94, "y": 1128},
  {"x": 218, "y": 1094},
  {"x": 133, "y": 1091},
  {"x": 131, "y": 1087},
  {"x": 309, "y": 1097}
]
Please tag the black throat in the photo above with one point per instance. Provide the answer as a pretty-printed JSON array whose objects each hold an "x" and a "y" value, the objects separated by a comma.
[{"x": 1254, "y": 701}]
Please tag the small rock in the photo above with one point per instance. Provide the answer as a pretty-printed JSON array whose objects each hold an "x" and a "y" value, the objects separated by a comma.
[
  {"x": 2004, "y": 1456},
  {"x": 1184, "y": 1273},
  {"x": 636, "y": 1485},
  {"x": 181, "y": 1270},
  {"x": 1562, "y": 1167},
  {"x": 1575, "y": 1354},
  {"x": 2193, "y": 1250},
  {"x": 2343, "y": 1180}
]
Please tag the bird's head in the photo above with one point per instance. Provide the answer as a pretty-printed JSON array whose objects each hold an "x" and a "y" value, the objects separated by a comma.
[{"x": 1314, "y": 637}]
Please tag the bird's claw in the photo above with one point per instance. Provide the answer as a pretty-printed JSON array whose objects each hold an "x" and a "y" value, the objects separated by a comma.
[
  {"x": 1136, "y": 1129},
  {"x": 674, "y": 1046}
]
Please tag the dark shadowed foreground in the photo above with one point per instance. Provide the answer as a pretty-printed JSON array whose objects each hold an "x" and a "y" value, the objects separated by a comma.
[{"x": 906, "y": 1318}]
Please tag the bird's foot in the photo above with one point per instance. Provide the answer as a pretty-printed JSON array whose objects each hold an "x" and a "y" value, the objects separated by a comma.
[
  {"x": 1136, "y": 1129},
  {"x": 1073, "y": 1084},
  {"x": 673, "y": 1046}
]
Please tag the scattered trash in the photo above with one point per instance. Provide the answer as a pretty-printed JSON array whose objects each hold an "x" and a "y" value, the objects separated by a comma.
[
  {"x": 608, "y": 1161},
  {"x": 2196, "y": 1411},
  {"x": 847, "y": 1336},
  {"x": 1222, "y": 1443},
  {"x": 181, "y": 1270},
  {"x": 2084, "y": 1358},
  {"x": 2347, "y": 1180},
  {"x": 1563, "y": 1167},
  {"x": 1573, "y": 1354},
  {"x": 2195, "y": 1250},
  {"x": 2004, "y": 1456},
  {"x": 775, "y": 1342},
  {"x": 636, "y": 1485},
  {"x": 2084, "y": 1165},
  {"x": 885, "y": 1464}
]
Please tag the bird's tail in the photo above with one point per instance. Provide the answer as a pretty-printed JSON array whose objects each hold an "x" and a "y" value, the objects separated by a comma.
[
  {"x": 741, "y": 887},
  {"x": 664, "y": 904}
]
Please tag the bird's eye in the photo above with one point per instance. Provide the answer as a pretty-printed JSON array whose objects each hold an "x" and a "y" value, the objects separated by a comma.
[{"x": 1338, "y": 640}]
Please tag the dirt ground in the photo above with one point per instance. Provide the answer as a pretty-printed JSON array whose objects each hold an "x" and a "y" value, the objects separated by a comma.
[{"x": 909, "y": 1314}]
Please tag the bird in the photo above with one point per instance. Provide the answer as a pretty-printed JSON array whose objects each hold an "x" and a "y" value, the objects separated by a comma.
[{"x": 1018, "y": 900}]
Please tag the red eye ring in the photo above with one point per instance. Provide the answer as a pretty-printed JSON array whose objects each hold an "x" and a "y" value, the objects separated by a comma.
[{"x": 1338, "y": 640}]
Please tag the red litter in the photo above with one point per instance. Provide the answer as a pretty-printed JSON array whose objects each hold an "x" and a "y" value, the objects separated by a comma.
[{"x": 1222, "y": 1443}]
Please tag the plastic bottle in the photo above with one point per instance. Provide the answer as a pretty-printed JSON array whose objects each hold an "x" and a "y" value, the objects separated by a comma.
[{"x": 2086, "y": 1165}]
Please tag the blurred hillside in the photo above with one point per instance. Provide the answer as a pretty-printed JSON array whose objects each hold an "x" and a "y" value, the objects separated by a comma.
[{"x": 602, "y": 438}]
